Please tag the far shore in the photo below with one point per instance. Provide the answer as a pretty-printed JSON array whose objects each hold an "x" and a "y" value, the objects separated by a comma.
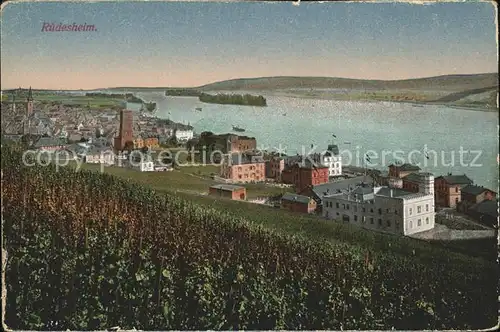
[{"x": 355, "y": 98}]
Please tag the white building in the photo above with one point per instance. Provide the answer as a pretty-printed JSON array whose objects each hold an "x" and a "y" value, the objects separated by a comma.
[
  {"x": 334, "y": 163},
  {"x": 99, "y": 156},
  {"x": 385, "y": 209},
  {"x": 330, "y": 158},
  {"x": 183, "y": 134}
]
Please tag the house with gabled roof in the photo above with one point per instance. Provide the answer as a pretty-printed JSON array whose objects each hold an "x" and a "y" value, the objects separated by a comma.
[
  {"x": 448, "y": 188},
  {"x": 298, "y": 203}
]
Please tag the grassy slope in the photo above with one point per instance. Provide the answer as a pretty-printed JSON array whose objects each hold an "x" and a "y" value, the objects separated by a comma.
[
  {"x": 297, "y": 224},
  {"x": 445, "y": 83}
]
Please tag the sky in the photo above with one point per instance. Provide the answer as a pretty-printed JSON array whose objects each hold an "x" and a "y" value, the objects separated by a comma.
[{"x": 159, "y": 44}]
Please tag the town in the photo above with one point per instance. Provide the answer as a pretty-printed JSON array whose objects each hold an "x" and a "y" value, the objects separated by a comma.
[{"x": 402, "y": 200}]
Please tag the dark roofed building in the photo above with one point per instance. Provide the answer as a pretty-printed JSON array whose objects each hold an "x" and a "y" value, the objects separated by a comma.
[
  {"x": 472, "y": 194},
  {"x": 298, "y": 203},
  {"x": 457, "y": 179},
  {"x": 448, "y": 189},
  {"x": 49, "y": 144},
  {"x": 319, "y": 191},
  {"x": 400, "y": 171},
  {"x": 228, "y": 191}
]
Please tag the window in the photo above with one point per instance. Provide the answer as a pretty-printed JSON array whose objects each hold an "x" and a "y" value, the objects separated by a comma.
[
  {"x": 347, "y": 206},
  {"x": 411, "y": 210},
  {"x": 426, "y": 207},
  {"x": 456, "y": 189},
  {"x": 419, "y": 209},
  {"x": 395, "y": 211},
  {"x": 371, "y": 221},
  {"x": 419, "y": 223},
  {"x": 427, "y": 220},
  {"x": 380, "y": 222},
  {"x": 337, "y": 213},
  {"x": 337, "y": 205},
  {"x": 379, "y": 211},
  {"x": 355, "y": 218},
  {"x": 364, "y": 209},
  {"x": 411, "y": 224},
  {"x": 388, "y": 210},
  {"x": 355, "y": 208},
  {"x": 388, "y": 223}
]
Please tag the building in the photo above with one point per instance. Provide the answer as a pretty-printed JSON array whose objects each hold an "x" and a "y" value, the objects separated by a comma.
[
  {"x": 183, "y": 133},
  {"x": 448, "y": 189},
  {"x": 410, "y": 182},
  {"x": 125, "y": 136},
  {"x": 225, "y": 143},
  {"x": 99, "y": 155},
  {"x": 384, "y": 209},
  {"x": 476, "y": 194},
  {"x": 49, "y": 144},
  {"x": 331, "y": 159},
  {"x": 298, "y": 203},
  {"x": 243, "y": 168},
  {"x": 318, "y": 192},
  {"x": 228, "y": 191},
  {"x": 472, "y": 194},
  {"x": 402, "y": 170},
  {"x": 305, "y": 174},
  {"x": 274, "y": 168}
]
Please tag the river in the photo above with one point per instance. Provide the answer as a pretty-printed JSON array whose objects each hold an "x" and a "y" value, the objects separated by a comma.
[{"x": 459, "y": 141}]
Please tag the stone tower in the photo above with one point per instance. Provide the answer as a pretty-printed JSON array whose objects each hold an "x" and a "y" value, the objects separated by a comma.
[
  {"x": 29, "y": 104},
  {"x": 427, "y": 184}
]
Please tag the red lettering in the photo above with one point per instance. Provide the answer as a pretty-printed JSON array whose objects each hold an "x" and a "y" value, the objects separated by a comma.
[{"x": 45, "y": 26}]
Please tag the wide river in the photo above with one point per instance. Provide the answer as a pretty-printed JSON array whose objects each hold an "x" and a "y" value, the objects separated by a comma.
[{"x": 458, "y": 141}]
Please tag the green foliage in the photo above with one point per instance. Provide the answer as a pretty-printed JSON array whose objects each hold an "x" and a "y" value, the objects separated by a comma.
[
  {"x": 182, "y": 92},
  {"x": 128, "y": 96},
  {"x": 91, "y": 251},
  {"x": 233, "y": 99}
]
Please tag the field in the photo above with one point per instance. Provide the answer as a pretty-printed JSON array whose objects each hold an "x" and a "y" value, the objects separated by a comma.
[
  {"x": 188, "y": 179},
  {"x": 119, "y": 254},
  {"x": 192, "y": 183}
]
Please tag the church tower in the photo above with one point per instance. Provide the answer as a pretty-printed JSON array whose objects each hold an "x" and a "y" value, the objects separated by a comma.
[{"x": 29, "y": 104}]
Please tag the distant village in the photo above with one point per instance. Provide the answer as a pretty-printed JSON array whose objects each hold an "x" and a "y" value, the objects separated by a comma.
[{"x": 401, "y": 200}]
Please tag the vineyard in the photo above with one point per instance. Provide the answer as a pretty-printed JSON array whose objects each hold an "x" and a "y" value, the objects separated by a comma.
[{"x": 91, "y": 251}]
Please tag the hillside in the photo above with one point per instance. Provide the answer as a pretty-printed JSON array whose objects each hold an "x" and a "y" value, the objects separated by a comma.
[
  {"x": 122, "y": 254},
  {"x": 444, "y": 83}
]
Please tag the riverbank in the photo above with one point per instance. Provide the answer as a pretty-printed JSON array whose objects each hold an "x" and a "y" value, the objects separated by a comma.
[{"x": 375, "y": 98}]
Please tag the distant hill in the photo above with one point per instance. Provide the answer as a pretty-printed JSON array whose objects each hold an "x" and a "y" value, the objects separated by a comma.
[{"x": 443, "y": 83}]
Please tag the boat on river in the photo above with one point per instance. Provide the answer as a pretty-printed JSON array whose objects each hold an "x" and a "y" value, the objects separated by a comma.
[
  {"x": 198, "y": 109},
  {"x": 238, "y": 129}
]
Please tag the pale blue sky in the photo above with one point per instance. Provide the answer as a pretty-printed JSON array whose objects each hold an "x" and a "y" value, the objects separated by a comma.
[{"x": 189, "y": 44}]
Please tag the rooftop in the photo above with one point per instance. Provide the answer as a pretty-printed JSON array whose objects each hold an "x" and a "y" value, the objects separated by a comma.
[
  {"x": 406, "y": 167},
  {"x": 456, "y": 179},
  {"x": 227, "y": 187},
  {"x": 291, "y": 197},
  {"x": 393, "y": 192},
  {"x": 474, "y": 190},
  {"x": 331, "y": 188},
  {"x": 48, "y": 141}
]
